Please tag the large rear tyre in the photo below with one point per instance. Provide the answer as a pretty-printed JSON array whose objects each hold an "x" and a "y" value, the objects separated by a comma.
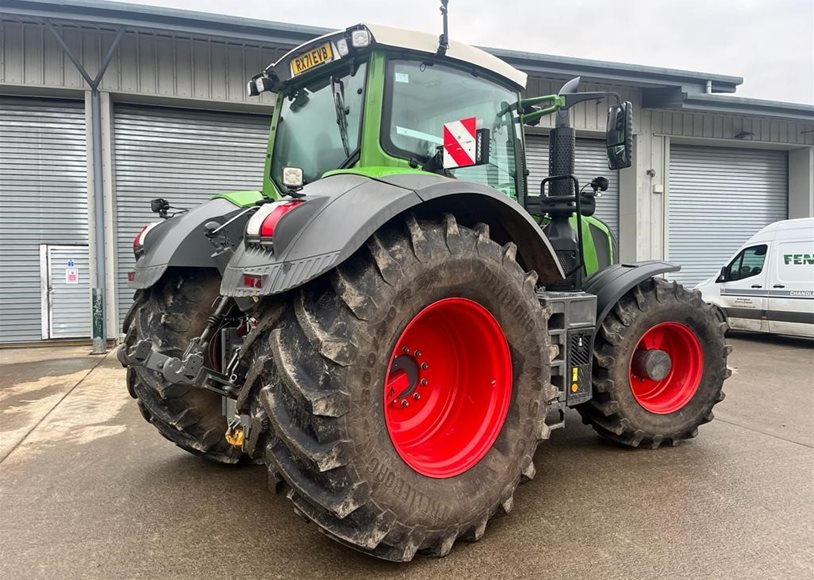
[
  {"x": 170, "y": 314},
  {"x": 400, "y": 399},
  {"x": 659, "y": 366}
]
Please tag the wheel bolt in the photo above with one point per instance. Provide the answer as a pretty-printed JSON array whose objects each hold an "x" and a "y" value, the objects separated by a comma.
[
  {"x": 423, "y": 382},
  {"x": 405, "y": 350},
  {"x": 404, "y": 403},
  {"x": 416, "y": 396},
  {"x": 424, "y": 366},
  {"x": 417, "y": 353}
]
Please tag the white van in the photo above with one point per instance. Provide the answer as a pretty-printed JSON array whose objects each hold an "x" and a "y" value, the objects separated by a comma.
[{"x": 768, "y": 286}]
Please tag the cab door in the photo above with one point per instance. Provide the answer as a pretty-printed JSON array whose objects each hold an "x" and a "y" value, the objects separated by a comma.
[
  {"x": 744, "y": 294},
  {"x": 791, "y": 296}
]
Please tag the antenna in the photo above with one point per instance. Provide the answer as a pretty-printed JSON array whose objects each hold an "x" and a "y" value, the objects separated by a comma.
[{"x": 443, "y": 40}]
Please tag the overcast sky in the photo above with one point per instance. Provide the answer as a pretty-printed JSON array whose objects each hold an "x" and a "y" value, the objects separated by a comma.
[{"x": 770, "y": 43}]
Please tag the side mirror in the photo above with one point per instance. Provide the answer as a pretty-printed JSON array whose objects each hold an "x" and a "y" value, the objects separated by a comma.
[
  {"x": 722, "y": 275},
  {"x": 619, "y": 141}
]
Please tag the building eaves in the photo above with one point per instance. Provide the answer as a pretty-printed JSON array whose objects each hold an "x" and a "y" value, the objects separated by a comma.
[{"x": 280, "y": 33}]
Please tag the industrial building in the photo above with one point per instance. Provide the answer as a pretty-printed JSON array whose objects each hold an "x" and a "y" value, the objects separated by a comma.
[{"x": 169, "y": 117}]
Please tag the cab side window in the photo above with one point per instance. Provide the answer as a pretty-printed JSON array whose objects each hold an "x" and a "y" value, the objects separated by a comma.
[{"x": 746, "y": 264}]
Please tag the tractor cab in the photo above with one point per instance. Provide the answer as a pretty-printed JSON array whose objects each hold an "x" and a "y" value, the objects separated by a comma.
[{"x": 376, "y": 100}]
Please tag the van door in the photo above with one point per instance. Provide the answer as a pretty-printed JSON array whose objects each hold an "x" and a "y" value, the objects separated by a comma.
[
  {"x": 743, "y": 289},
  {"x": 791, "y": 296}
]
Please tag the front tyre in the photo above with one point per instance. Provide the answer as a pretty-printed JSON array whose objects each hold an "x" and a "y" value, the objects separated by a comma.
[
  {"x": 659, "y": 366},
  {"x": 404, "y": 394}
]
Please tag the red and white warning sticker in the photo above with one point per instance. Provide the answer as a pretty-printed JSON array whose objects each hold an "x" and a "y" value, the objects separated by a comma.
[{"x": 460, "y": 144}]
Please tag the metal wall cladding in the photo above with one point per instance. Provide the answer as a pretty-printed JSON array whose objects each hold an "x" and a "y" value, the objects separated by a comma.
[
  {"x": 43, "y": 200},
  {"x": 591, "y": 161},
  {"x": 153, "y": 63},
  {"x": 719, "y": 198},
  {"x": 183, "y": 156}
]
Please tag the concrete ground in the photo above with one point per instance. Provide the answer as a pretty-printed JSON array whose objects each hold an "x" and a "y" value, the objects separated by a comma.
[{"x": 90, "y": 490}]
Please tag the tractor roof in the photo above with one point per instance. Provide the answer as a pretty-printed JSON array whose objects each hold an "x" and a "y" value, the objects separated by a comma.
[{"x": 428, "y": 43}]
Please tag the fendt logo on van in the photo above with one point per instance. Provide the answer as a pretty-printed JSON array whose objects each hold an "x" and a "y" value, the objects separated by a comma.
[{"x": 798, "y": 259}]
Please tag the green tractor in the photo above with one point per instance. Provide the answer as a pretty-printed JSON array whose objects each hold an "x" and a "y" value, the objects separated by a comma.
[{"x": 398, "y": 318}]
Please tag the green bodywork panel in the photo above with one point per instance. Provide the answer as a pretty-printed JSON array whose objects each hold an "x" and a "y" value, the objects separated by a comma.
[
  {"x": 240, "y": 198},
  {"x": 594, "y": 257},
  {"x": 374, "y": 171},
  {"x": 372, "y": 154},
  {"x": 269, "y": 189}
]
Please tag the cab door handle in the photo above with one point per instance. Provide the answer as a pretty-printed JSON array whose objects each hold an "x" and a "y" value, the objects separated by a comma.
[
  {"x": 756, "y": 286},
  {"x": 778, "y": 286}
]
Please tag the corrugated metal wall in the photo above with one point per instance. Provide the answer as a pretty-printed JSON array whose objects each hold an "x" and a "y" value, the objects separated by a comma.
[
  {"x": 721, "y": 126},
  {"x": 43, "y": 200},
  {"x": 145, "y": 63},
  {"x": 183, "y": 156},
  {"x": 719, "y": 197},
  {"x": 591, "y": 161}
]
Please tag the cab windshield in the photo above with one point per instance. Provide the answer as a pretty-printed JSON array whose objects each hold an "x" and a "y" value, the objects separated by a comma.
[
  {"x": 319, "y": 125},
  {"x": 421, "y": 97}
]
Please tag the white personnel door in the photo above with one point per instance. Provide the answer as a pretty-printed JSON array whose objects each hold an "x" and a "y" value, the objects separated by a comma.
[{"x": 65, "y": 285}]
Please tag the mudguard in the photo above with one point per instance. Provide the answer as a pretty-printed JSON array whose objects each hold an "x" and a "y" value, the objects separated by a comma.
[
  {"x": 180, "y": 241},
  {"x": 610, "y": 284},
  {"x": 343, "y": 210}
]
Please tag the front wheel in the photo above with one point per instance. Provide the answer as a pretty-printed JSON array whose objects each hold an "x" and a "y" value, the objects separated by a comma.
[
  {"x": 659, "y": 366},
  {"x": 402, "y": 397}
]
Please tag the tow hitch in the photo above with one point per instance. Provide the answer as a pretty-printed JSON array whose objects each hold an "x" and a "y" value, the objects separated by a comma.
[{"x": 190, "y": 369}]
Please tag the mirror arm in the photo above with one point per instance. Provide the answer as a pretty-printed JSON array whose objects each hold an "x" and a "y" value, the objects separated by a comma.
[
  {"x": 557, "y": 103},
  {"x": 574, "y": 98}
]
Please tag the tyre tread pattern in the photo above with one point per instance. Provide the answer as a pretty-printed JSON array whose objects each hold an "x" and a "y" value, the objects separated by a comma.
[
  {"x": 302, "y": 403},
  {"x": 170, "y": 313},
  {"x": 604, "y": 412}
]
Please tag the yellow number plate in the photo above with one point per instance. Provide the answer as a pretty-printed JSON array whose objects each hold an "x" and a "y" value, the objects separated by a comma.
[{"x": 314, "y": 57}]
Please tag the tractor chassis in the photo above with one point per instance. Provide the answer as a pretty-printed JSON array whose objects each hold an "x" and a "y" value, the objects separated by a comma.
[{"x": 571, "y": 327}]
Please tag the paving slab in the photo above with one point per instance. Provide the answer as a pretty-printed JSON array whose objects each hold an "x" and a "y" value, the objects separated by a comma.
[
  {"x": 32, "y": 382},
  {"x": 95, "y": 492}
]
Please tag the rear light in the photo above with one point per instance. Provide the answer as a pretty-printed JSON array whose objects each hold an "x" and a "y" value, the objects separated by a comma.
[
  {"x": 252, "y": 281},
  {"x": 138, "y": 241},
  {"x": 262, "y": 224}
]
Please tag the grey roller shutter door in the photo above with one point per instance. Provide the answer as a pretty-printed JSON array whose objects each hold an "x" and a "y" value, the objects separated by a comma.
[
  {"x": 43, "y": 200},
  {"x": 719, "y": 198},
  {"x": 591, "y": 161},
  {"x": 184, "y": 156}
]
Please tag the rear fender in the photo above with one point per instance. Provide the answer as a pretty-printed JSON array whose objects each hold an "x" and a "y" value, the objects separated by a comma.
[
  {"x": 610, "y": 284},
  {"x": 180, "y": 242},
  {"x": 342, "y": 211}
]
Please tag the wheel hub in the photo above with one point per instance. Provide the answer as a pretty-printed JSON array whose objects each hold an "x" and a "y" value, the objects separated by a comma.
[
  {"x": 653, "y": 364},
  {"x": 448, "y": 387},
  {"x": 666, "y": 368},
  {"x": 404, "y": 378}
]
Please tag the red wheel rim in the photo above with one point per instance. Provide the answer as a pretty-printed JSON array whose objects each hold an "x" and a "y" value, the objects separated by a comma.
[
  {"x": 675, "y": 390},
  {"x": 448, "y": 387}
]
